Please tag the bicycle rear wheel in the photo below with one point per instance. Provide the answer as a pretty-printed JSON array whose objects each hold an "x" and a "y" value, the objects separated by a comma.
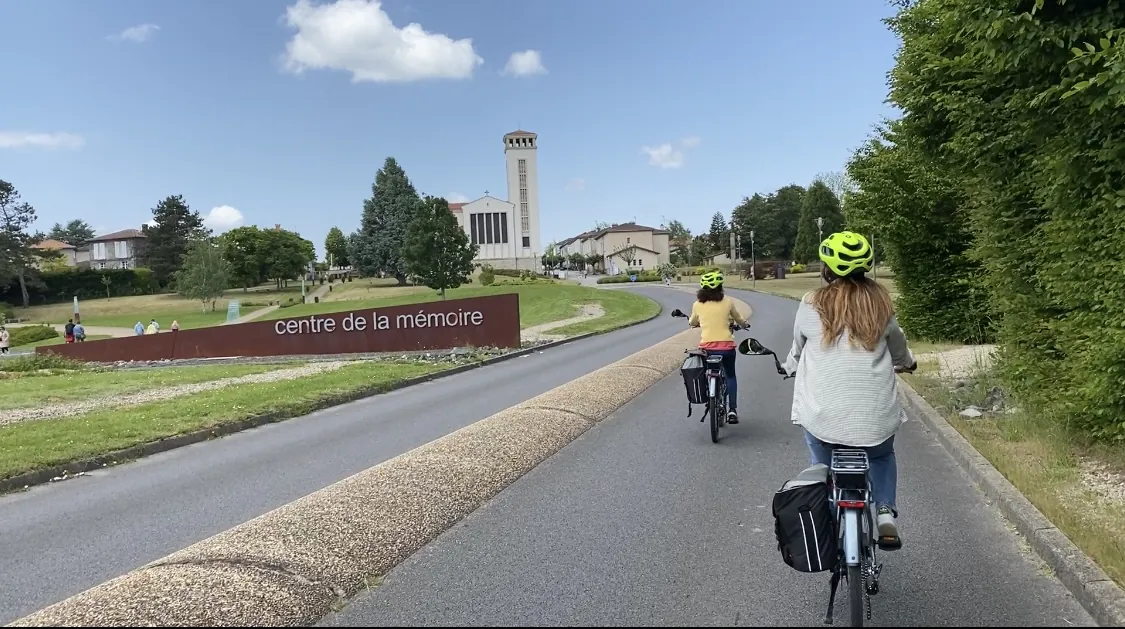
[
  {"x": 856, "y": 609},
  {"x": 718, "y": 408}
]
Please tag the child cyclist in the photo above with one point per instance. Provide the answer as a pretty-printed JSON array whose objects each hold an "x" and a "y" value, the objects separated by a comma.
[
  {"x": 712, "y": 313},
  {"x": 847, "y": 345}
]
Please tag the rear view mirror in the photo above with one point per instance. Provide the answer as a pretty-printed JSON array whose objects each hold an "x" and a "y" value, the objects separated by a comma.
[
  {"x": 677, "y": 313},
  {"x": 752, "y": 346}
]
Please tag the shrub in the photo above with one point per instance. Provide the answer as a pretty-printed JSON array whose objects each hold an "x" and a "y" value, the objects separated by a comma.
[
  {"x": 487, "y": 275},
  {"x": 31, "y": 334},
  {"x": 644, "y": 276},
  {"x": 6, "y": 312},
  {"x": 797, "y": 268},
  {"x": 38, "y": 362}
]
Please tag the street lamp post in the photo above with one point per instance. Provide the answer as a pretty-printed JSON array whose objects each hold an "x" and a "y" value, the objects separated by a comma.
[
  {"x": 820, "y": 239},
  {"x": 753, "y": 262}
]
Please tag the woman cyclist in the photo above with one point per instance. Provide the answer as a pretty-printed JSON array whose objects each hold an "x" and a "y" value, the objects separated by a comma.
[
  {"x": 846, "y": 346},
  {"x": 712, "y": 313}
]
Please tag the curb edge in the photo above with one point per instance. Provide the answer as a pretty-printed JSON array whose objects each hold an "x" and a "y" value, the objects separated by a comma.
[{"x": 1087, "y": 582}]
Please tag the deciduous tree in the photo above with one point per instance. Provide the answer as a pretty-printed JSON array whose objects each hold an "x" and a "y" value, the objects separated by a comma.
[
  {"x": 204, "y": 273},
  {"x": 336, "y": 247},
  {"x": 437, "y": 250}
]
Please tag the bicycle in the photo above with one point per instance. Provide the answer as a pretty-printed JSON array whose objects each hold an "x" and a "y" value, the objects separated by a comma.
[
  {"x": 850, "y": 499},
  {"x": 717, "y": 403}
]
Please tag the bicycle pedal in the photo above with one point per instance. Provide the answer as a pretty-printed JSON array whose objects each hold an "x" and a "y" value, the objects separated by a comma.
[{"x": 889, "y": 543}]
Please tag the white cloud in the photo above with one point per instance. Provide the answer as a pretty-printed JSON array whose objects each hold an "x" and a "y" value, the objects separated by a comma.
[
  {"x": 29, "y": 139},
  {"x": 526, "y": 63},
  {"x": 457, "y": 197},
  {"x": 137, "y": 34},
  {"x": 577, "y": 184},
  {"x": 668, "y": 156},
  {"x": 223, "y": 218},
  {"x": 357, "y": 36}
]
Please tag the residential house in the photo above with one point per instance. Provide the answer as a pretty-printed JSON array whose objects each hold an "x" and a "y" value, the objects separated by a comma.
[
  {"x": 119, "y": 250},
  {"x": 624, "y": 247},
  {"x": 69, "y": 252}
]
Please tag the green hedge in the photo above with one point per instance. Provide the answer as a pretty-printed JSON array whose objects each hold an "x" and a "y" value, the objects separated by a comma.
[
  {"x": 1017, "y": 129},
  {"x": 644, "y": 276},
  {"x": 60, "y": 286},
  {"x": 30, "y": 334}
]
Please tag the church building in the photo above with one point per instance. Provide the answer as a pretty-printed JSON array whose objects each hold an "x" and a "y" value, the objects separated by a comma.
[{"x": 507, "y": 232}]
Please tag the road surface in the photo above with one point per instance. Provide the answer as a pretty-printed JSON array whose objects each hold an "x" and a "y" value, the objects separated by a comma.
[
  {"x": 68, "y": 537},
  {"x": 644, "y": 522}
]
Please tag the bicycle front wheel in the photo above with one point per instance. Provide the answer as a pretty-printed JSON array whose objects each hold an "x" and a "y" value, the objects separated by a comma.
[{"x": 855, "y": 595}]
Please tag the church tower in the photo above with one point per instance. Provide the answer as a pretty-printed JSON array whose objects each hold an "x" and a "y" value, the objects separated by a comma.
[{"x": 523, "y": 191}]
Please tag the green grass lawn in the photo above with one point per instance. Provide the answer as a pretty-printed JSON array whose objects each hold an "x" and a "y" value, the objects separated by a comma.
[
  {"x": 58, "y": 341},
  {"x": 43, "y": 390},
  {"x": 539, "y": 303},
  {"x": 33, "y": 445},
  {"x": 795, "y": 286}
]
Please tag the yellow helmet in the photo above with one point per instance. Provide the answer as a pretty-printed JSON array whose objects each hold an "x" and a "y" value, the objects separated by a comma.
[
  {"x": 714, "y": 279},
  {"x": 846, "y": 253}
]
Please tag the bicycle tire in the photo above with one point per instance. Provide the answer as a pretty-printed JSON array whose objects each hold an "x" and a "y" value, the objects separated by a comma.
[
  {"x": 856, "y": 609},
  {"x": 717, "y": 411}
]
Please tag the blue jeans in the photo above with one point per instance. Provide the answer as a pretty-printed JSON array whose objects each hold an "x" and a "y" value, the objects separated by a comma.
[
  {"x": 732, "y": 381},
  {"x": 883, "y": 472}
]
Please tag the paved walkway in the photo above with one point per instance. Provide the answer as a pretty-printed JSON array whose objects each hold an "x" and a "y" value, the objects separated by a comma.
[
  {"x": 535, "y": 333},
  {"x": 320, "y": 291}
]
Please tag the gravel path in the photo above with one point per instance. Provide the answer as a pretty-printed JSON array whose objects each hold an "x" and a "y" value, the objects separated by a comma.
[
  {"x": 55, "y": 411},
  {"x": 962, "y": 362},
  {"x": 536, "y": 334}
]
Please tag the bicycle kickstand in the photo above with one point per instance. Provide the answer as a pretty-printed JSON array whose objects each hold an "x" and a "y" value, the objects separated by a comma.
[{"x": 833, "y": 584}]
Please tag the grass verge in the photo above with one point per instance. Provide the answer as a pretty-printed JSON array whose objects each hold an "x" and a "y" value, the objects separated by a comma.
[
  {"x": 59, "y": 341},
  {"x": 36, "y": 445},
  {"x": 795, "y": 286},
  {"x": 1078, "y": 485},
  {"x": 40, "y": 390},
  {"x": 539, "y": 303}
]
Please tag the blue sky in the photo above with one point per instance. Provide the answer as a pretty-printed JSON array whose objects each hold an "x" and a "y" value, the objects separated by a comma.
[{"x": 111, "y": 106}]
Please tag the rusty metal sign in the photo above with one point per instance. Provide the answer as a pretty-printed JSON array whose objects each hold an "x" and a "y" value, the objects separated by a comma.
[{"x": 492, "y": 321}]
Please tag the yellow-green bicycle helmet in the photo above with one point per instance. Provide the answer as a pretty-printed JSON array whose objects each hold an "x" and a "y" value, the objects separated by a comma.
[
  {"x": 714, "y": 279},
  {"x": 846, "y": 253}
]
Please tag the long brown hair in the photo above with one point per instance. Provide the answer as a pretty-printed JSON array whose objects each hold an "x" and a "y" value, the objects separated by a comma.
[
  {"x": 705, "y": 294},
  {"x": 857, "y": 304}
]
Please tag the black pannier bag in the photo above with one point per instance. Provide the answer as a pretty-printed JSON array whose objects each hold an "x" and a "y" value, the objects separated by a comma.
[
  {"x": 804, "y": 524},
  {"x": 694, "y": 371}
]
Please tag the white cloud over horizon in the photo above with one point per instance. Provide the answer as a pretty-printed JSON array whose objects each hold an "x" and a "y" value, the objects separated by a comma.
[
  {"x": 358, "y": 36},
  {"x": 32, "y": 139},
  {"x": 137, "y": 34},
  {"x": 457, "y": 197},
  {"x": 526, "y": 63},
  {"x": 223, "y": 218},
  {"x": 668, "y": 156}
]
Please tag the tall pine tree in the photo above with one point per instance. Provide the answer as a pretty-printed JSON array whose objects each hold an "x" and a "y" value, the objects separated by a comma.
[
  {"x": 437, "y": 250},
  {"x": 167, "y": 241},
  {"x": 377, "y": 246},
  {"x": 818, "y": 202},
  {"x": 719, "y": 235}
]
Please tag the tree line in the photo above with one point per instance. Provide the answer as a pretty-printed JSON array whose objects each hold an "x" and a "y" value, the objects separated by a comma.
[
  {"x": 178, "y": 250},
  {"x": 404, "y": 235},
  {"x": 998, "y": 193},
  {"x": 783, "y": 224}
]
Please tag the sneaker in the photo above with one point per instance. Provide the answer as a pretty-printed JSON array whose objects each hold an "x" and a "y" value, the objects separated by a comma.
[
  {"x": 888, "y": 529},
  {"x": 732, "y": 417}
]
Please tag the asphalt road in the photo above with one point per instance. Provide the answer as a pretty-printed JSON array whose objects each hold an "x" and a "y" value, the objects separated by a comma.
[
  {"x": 58, "y": 540},
  {"x": 643, "y": 521}
]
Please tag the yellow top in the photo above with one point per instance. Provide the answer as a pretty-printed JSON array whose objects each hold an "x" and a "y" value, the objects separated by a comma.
[{"x": 713, "y": 318}]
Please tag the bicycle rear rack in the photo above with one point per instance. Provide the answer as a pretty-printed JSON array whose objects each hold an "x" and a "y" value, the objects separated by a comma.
[{"x": 849, "y": 469}]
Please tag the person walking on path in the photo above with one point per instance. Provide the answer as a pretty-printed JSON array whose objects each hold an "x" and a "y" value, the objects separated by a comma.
[
  {"x": 4, "y": 340},
  {"x": 175, "y": 325},
  {"x": 79, "y": 333},
  {"x": 68, "y": 331},
  {"x": 139, "y": 329},
  {"x": 152, "y": 329}
]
